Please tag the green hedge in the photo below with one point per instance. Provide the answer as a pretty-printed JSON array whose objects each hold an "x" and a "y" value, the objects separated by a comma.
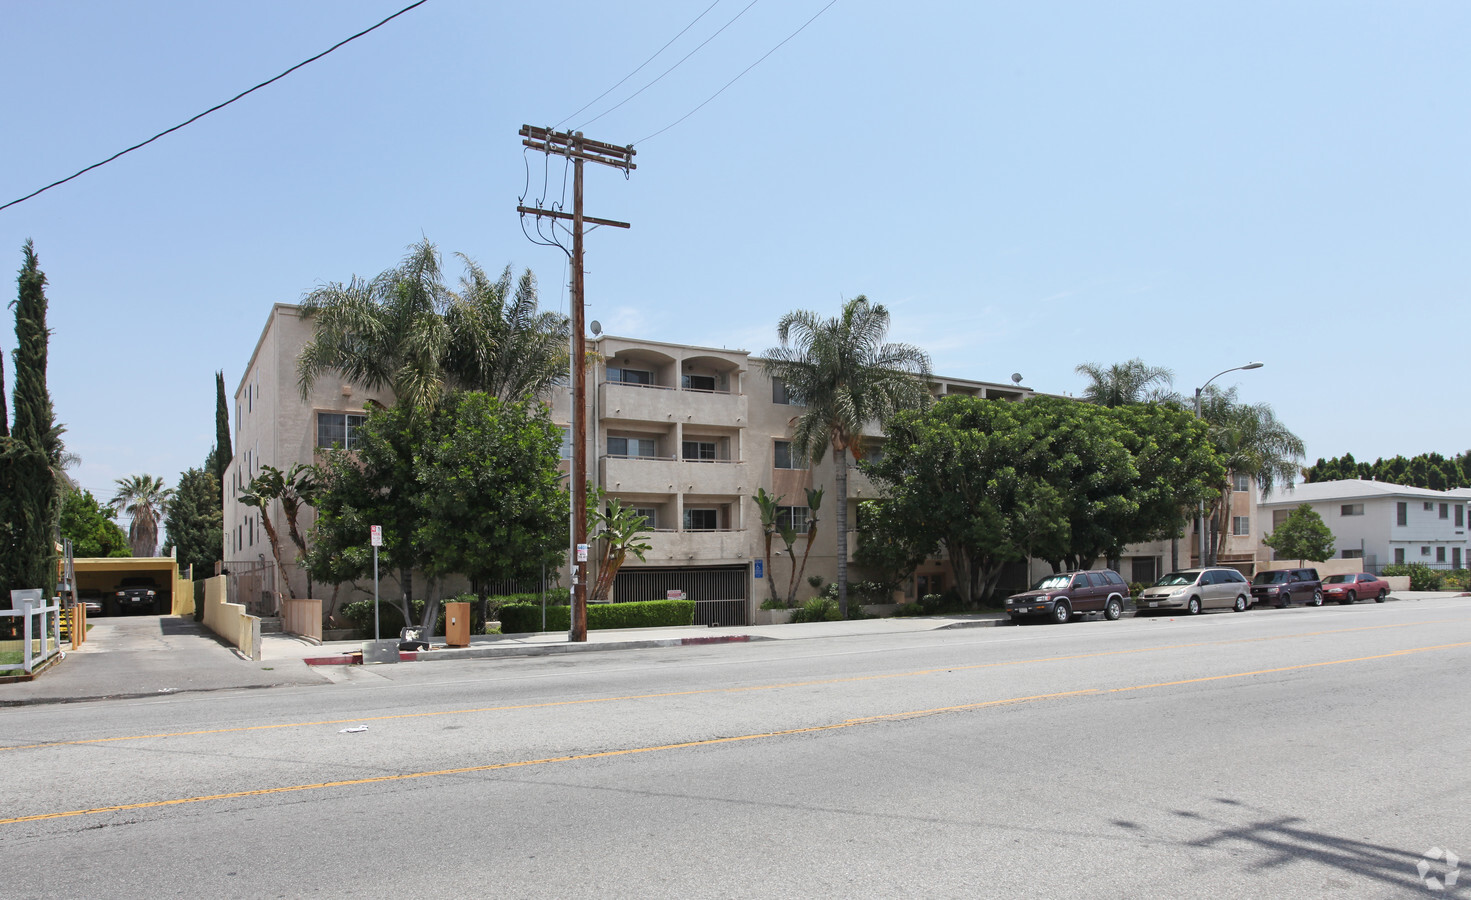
[{"x": 522, "y": 618}]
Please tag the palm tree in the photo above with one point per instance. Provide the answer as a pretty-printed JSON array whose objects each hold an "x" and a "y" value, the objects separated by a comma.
[
  {"x": 293, "y": 488},
  {"x": 500, "y": 342},
  {"x": 404, "y": 330},
  {"x": 1122, "y": 384},
  {"x": 1251, "y": 441},
  {"x": 388, "y": 332},
  {"x": 847, "y": 377},
  {"x": 146, "y": 499}
]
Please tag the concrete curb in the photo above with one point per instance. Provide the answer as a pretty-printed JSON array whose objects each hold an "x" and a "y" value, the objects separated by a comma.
[{"x": 521, "y": 650}]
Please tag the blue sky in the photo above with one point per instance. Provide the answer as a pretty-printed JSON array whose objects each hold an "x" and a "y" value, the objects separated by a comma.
[{"x": 1026, "y": 187}]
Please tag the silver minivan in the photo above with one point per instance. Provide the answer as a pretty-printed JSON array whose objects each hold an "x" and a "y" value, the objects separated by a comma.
[{"x": 1197, "y": 589}]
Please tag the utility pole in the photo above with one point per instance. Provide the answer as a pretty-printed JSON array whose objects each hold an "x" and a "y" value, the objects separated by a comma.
[{"x": 579, "y": 149}]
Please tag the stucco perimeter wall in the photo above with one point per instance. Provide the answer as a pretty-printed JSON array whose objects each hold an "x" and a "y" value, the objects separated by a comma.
[
  {"x": 228, "y": 620},
  {"x": 302, "y": 618},
  {"x": 183, "y": 599}
]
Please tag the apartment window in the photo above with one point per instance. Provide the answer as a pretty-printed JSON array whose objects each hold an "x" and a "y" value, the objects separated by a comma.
[
  {"x": 1455, "y": 557},
  {"x": 698, "y": 383},
  {"x": 1429, "y": 506},
  {"x": 1424, "y": 551},
  {"x": 250, "y": 531},
  {"x": 650, "y": 514},
  {"x": 1241, "y": 482},
  {"x": 633, "y": 447},
  {"x": 793, "y": 517},
  {"x": 780, "y": 394},
  {"x": 787, "y": 457},
  {"x": 1445, "y": 510},
  {"x": 630, "y": 376},
  {"x": 1352, "y": 554},
  {"x": 701, "y": 451},
  {"x": 1399, "y": 553},
  {"x": 1440, "y": 554},
  {"x": 566, "y": 449},
  {"x": 701, "y": 519},
  {"x": 1460, "y": 510},
  {"x": 338, "y": 430},
  {"x": 1351, "y": 509},
  {"x": 1401, "y": 513},
  {"x": 1240, "y": 525},
  {"x": 929, "y": 584}
]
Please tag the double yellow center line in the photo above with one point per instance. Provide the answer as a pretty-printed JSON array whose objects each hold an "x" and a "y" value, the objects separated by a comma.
[{"x": 866, "y": 720}]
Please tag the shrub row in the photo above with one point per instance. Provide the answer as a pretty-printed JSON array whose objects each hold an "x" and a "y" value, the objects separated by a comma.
[{"x": 521, "y": 618}]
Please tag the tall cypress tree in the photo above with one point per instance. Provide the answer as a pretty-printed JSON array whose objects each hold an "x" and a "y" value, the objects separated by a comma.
[
  {"x": 35, "y": 452},
  {"x": 223, "y": 453},
  {"x": 8, "y": 506}
]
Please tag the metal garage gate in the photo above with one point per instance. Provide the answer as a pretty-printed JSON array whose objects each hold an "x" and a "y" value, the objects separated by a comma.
[{"x": 719, "y": 592}]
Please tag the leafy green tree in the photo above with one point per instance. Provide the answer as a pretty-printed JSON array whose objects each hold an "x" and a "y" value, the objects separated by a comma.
[
  {"x": 146, "y": 499},
  {"x": 1177, "y": 467},
  {"x": 31, "y": 458},
  {"x": 1303, "y": 536},
  {"x": 966, "y": 477},
  {"x": 1122, "y": 384},
  {"x": 89, "y": 526},
  {"x": 470, "y": 487},
  {"x": 195, "y": 522},
  {"x": 490, "y": 502},
  {"x": 847, "y": 376}
]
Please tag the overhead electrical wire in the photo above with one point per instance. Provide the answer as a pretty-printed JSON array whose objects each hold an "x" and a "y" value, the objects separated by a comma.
[
  {"x": 640, "y": 67},
  {"x": 738, "y": 77},
  {"x": 215, "y": 107},
  {"x": 673, "y": 67}
]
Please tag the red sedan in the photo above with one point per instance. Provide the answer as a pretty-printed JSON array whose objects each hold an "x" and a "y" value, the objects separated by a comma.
[{"x": 1348, "y": 588}]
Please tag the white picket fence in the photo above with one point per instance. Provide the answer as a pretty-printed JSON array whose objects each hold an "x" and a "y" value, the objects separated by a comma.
[{"x": 31, "y": 633}]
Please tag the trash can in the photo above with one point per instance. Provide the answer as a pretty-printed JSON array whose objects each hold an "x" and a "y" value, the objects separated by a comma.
[{"x": 457, "y": 624}]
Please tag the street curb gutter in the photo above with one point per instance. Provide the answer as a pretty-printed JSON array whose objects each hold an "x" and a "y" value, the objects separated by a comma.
[{"x": 496, "y": 652}]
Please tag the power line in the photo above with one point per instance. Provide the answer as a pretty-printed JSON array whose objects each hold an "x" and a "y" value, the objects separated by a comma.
[
  {"x": 738, "y": 77},
  {"x": 214, "y": 108},
  {"x": 641, "y": 65},
  {"x": 670, "y": 69}
]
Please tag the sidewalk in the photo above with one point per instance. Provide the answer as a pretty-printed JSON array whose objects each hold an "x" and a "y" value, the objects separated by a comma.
[{"x": 495, "y": 646}]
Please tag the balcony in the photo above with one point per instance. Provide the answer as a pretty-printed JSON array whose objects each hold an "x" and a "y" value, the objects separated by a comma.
[
  {"x": 657, "y": 403},
  {"x": 724, "y": 546},
  {"x": 659, "y": 475}
]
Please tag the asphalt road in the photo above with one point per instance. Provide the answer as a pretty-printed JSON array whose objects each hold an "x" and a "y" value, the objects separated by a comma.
[{"x": 1276, "y": 753}]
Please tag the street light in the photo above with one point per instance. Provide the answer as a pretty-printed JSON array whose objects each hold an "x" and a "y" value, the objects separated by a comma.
[{"x": 1200, "y": 517}]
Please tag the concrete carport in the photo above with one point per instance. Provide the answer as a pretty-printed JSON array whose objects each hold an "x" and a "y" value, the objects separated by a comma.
[{"x": 99, "y": 579}]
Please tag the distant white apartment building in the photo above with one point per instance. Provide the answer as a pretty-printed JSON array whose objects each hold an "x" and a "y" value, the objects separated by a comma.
[{"x": 1382, "y": 524}]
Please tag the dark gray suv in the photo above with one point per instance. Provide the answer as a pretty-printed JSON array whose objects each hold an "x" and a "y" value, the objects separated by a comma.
[
  {"x": 1060, "y": 597},
  {"x": 1282, "y": 587}
]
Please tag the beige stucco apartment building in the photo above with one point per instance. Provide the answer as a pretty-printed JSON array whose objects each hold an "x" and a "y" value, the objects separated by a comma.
[{"x": 685, "y": 434}]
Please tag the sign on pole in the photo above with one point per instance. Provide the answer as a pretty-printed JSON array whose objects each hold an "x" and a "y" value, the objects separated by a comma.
[
  {"x": 582, "y": 553},
  {"x": 375, "y": 535}
]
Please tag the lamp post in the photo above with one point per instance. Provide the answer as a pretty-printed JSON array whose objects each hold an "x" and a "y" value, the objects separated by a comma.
[{"x": 1200, "y": 515}]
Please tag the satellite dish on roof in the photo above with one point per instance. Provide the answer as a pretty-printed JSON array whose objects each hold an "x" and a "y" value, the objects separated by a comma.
[
  {"x": 1016, "y": 377},
  {"x": 596, "y": 326}
]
